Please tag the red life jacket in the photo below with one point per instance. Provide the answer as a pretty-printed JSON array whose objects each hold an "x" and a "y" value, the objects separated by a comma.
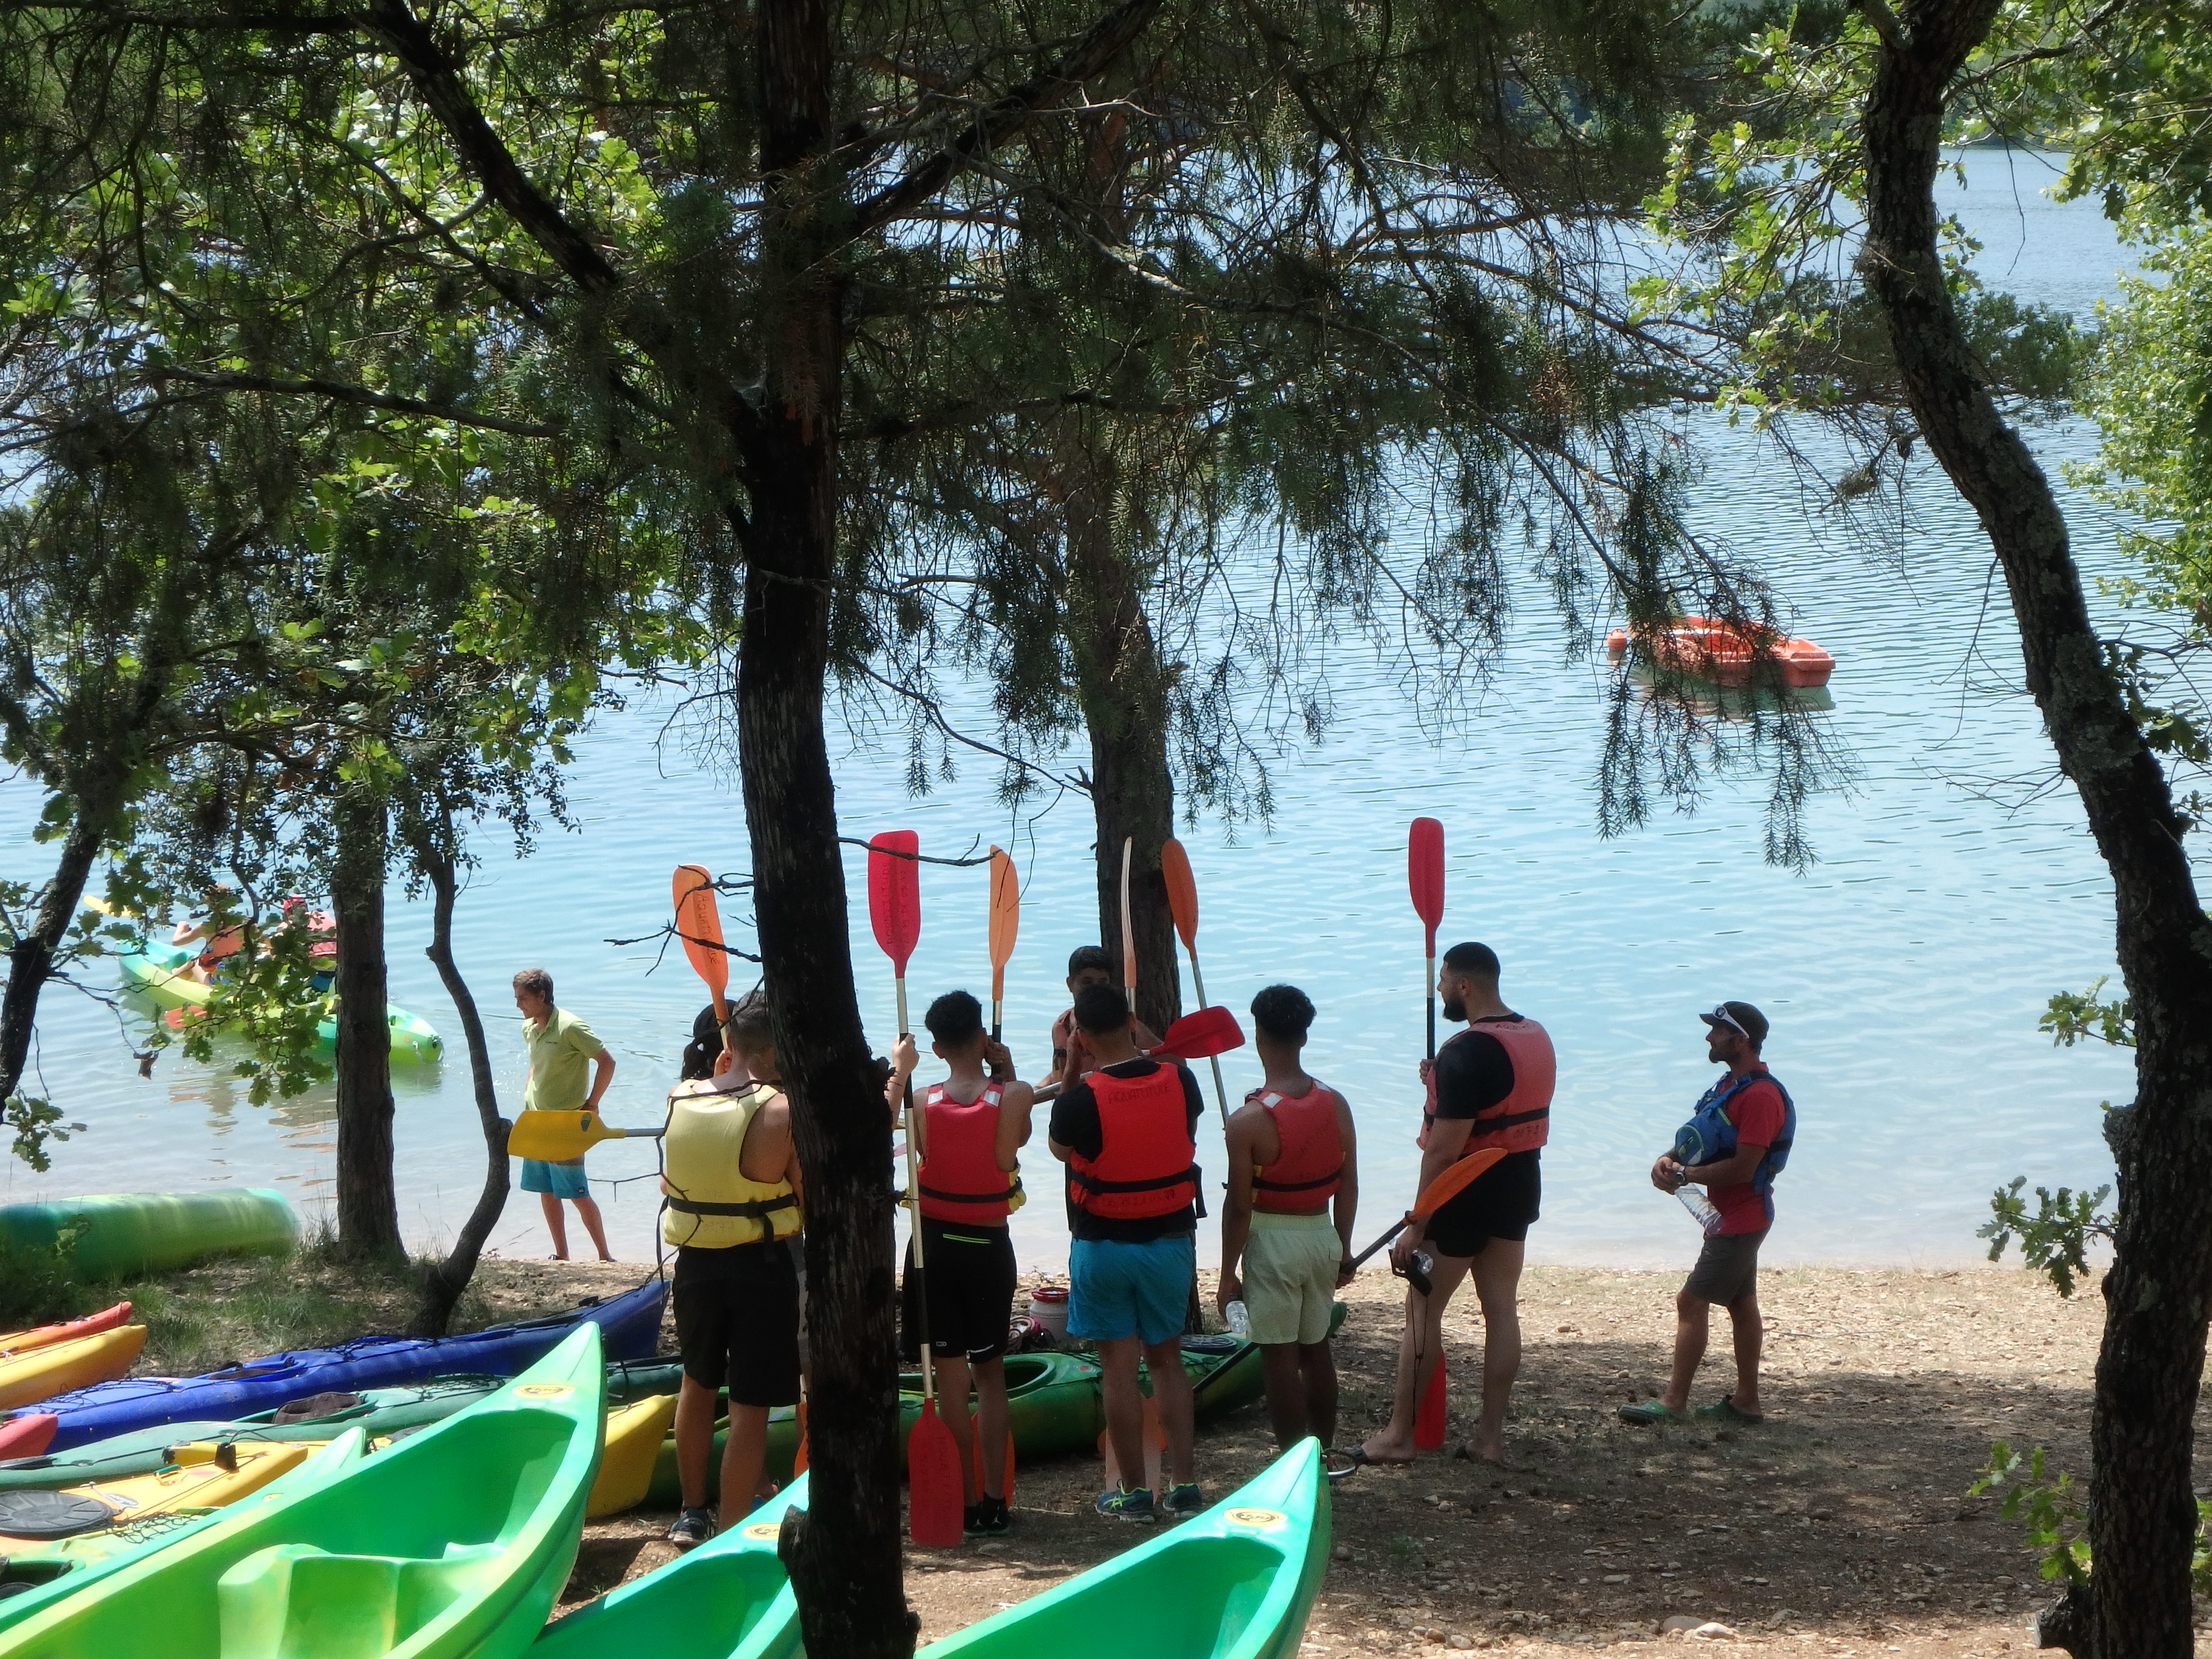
[
  {"x": 1523, "y": 1121},
  {"x": 1148, "y": 1162},
  {"x": 960, "y": 1179},
  {"x": 1309, "y": 1168}
]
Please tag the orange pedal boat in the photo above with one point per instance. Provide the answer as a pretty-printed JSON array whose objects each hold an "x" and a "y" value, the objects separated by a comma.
[{"x": 1726, "y": 652}]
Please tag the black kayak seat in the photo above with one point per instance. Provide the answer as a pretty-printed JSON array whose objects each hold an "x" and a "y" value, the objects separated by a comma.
[{"x": 34, "y": 1513}]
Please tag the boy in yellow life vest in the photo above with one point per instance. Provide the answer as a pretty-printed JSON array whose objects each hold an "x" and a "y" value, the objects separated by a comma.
[
  {"x": 968, "y": 1131},
  {"x": 733, "y": 1192}
]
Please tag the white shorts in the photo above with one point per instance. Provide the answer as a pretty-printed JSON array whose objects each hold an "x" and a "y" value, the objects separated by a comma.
[{"x": 1290, "y": 1277}]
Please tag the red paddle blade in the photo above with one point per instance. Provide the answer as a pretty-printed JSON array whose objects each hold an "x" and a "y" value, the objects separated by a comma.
[
  {"x": 1424, "y": 874},
  {"x": 1196, "y": 1036},
  {"x": 895, "y": 894},
  {"x": 1454, "y": 1180},
  {"x": 699, "y": 924},
  {"x": 1429, "y": 1420},
  {"x": 1182, "y": 890},
  {"x": 935, "y": 1489}
]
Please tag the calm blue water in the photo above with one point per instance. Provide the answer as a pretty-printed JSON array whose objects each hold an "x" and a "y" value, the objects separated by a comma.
[{"x": 1956, "y": 889}]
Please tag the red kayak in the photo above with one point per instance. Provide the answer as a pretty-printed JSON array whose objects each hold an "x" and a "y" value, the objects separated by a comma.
[
  {"x": 27, "y": 1437},
  {"x": 107, "y": 1318},
  {"x": 1726, "y": 652}
]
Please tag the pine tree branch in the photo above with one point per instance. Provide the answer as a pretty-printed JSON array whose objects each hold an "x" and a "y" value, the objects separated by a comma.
[{"x": 339, "y": 392}]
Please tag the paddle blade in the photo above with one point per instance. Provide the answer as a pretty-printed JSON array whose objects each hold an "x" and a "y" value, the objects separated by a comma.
[
  {"x": 895, "y": 894},
  {"x": 1195, "y": 1036},
  {"x": 556, "y": 1137},
  {"x": 1429, "y": 1419},
  {"x": 1424, "y": 874},
  {"x": 1454, "y": 1180},
  {"x": 1006, "y": 911},
  {"x": 935, "y": 1489},
  {"x": 699, "y": 924},
  {"x": 1128, "y": 934},
  {"x": 1182, "y": 890}
]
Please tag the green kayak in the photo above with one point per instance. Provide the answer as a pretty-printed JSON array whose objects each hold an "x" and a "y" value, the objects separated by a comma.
[
  {"x": 453, "y": 1542},
  {"x": 382, "y": 1414},
  {"x": 118, "y": 1234},
  {"x": 35, "y": 1578},
  {"x": 728, "y": 1599},
  {"x": 1235, "y": 1583},
  {"x": 159, "y": 971}
]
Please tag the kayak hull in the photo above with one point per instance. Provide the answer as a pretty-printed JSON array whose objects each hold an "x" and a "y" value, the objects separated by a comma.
[
  {"x": 118, "y": 1234},
  {"x": 159, "y": 971},
  {"x": 1236, "y": 1583},
  {"x": 193, "y": 1480},
  {"x": 451, "y": 1543},
  {"x": 91, "y": 1325},
  {"x": 630, "y": 1324},
  {"x": 1727, "y": 653},
  {"x": 38, "y": 1374},
  {"x": 632, "y": 1447}
]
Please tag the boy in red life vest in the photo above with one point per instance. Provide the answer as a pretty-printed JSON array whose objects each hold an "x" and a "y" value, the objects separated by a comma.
[
  {"x": 1490, "y": 1086},
  {"x": 1737, "y": 1141},
  {"x": 968, "y": 1132},
  {"x": 1127, "y": 1133},
  {"x": 1291, "y": 1154},
  {"x": 1087, "y": 964}
]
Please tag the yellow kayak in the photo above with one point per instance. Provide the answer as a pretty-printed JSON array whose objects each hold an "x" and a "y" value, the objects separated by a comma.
[
  {"x": 36, "y": 1374},
  {"x": 634, "y": 1434},
  {"x": 93, "y": 1519}
]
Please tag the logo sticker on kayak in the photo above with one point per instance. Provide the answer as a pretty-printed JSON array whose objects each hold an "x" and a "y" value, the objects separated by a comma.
[
  {"x": 763, "y": 1530},
  {"x": 1256, "y": 1517},
  {"x": 544, "y": 1391}
]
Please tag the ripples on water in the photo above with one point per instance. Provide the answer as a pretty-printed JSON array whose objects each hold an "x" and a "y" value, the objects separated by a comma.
[{"x": 1956, "y": 889}]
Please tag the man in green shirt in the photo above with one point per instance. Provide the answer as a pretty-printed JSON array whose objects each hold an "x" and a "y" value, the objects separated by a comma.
[{"x": 560, "y": 1047}]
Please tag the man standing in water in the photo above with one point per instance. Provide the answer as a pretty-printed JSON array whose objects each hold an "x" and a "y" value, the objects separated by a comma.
[
  {"x": 1292, "y": 1151},
  {"x": 1735, "y": 1143},
  {"x": 1490, "y": 1086},
  {"x": 560, "y": 1045}
]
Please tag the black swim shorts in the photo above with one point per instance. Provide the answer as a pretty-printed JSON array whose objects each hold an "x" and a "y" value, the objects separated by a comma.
[
  {"x": 970, "y": 1271},
  {"x": 737, "y": 1321},
  {"x": 1500, "y": 1203}
]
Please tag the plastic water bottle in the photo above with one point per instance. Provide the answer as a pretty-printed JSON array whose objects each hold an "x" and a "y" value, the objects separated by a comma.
[
  {"x": 1240, "y": 1323},
  {"x": 1700, "y": 1208}
]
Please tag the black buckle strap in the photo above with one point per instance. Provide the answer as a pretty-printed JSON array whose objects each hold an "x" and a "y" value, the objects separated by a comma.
[
  {"x": 1012, "y": 1188},
  {"x": 1093, "y": 1184},
  {"x": 1267, "y": 1186},
  {"x": 757, "y": 1208}
]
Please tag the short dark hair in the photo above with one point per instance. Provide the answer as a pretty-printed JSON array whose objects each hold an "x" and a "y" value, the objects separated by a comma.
[
  {"x": 956, "y": 1017},
  {"x": 1283, "y": 1011},
  {"x": 1084, "y": 956},
  {"x": 536, "y": 981},
  {"x": 705, "y": 1043},
  {"x": 1468, "y": 957},
  {"x": 1101, "y": 1008},
  {"x": 750, "y": 1031}
]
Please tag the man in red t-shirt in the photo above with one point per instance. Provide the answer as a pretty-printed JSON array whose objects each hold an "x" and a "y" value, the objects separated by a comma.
[{"x": 1749, "y": 1107}]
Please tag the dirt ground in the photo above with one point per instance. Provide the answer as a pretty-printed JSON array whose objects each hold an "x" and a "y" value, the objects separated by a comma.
[{"x": 1841, "y": 1528}]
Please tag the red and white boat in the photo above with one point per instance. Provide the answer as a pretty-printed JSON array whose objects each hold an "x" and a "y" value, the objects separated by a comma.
[{"x": 1726, "y": 652}]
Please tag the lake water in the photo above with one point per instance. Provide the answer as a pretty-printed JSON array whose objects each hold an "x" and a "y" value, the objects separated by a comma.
[{"x": 1956, "y": 889}]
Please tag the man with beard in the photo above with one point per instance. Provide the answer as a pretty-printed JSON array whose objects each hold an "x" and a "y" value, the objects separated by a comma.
[{"x": 1490, "y": 1086}]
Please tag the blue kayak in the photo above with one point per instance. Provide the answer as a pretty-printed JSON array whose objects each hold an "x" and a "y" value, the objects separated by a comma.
[{"x": 630, "y": 1328}]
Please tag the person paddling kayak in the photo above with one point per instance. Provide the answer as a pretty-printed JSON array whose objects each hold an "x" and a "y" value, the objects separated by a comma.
[
  {"x": 969, "y": 1134},
  {"x": 1292, "y": 1155},
  {"x": 560, "y": 1045},
  {"x": 732, "y": 1190},
  {"x": 1490, "y": 1086}
]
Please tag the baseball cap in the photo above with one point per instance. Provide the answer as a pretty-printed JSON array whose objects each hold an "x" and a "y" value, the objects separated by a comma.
[{"x": 1740, "y": 1017}]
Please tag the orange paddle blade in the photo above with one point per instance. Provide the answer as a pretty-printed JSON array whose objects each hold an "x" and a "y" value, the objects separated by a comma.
[
  {"x": 699, "y": 924},
  {"x": 1006, "y": 916},
  {"x": 1429, "y": 1419},
  {"x": 1454, "y": 1180},
  {"x": 1182, "y": 890},
  {"x": 935, "y": 1489}
]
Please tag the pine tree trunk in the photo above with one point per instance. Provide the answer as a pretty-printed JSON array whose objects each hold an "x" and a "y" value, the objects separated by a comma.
[
  {"x": 444, "y": 1281},
  {"x": 847, "y": 1563},
  {"x": 1123, "y": 690},
  {"x": 2143, "y": 1514},
  {"x": 368, "y": 1209}
]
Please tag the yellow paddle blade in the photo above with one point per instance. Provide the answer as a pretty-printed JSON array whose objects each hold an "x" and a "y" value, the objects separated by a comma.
[{"x": 556, "y": 1137}]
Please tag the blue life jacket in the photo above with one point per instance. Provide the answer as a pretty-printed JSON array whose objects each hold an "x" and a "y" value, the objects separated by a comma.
[{"x": 1711, "y": 1133}]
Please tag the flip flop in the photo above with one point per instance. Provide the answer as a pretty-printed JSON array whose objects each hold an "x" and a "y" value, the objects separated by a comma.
[
  {"x": 1358, "y": 1458},
  {"x": 1651, "y": 1414},
  {"x": 1461, "y": 1455},
  {"x": 1354, "y": 1461},
  {"x": 1726, "y": 1411}
]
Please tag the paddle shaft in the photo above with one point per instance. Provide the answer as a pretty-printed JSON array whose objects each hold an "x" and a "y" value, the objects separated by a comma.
[
  {"x": 919, "y": 1269},
  {"x": 1432, "y": 996},
  {"x": 1220, "y": 1094}
]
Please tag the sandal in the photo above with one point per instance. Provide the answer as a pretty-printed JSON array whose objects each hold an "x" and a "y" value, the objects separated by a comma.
[
  {"x": 1651, "y": 1414},
  {"x": 1725, "y": 1410}
]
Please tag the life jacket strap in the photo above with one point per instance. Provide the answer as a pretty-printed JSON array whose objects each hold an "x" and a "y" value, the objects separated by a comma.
[
  {"x": 1012, "y": 1188},
  {"x": 1093, "y": 1184},
  {"x": 757, "y": 1208},
  {"x": 1485, "y": 1125},
  {"x": 1267, "y": 1186}
]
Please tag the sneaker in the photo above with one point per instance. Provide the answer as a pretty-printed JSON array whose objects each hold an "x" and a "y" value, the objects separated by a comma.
[
  {"x": 1183, "y": 1501},
  {"x": 988, "y": 1517},
  {"x": 691, "y": 1528},
  {"x": 1130, "y": 1504}
]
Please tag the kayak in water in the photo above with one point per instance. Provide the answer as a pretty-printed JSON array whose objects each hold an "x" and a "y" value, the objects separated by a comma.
[
  {"x": 1726, "y": 654},
  {"x": 162, "y": 972}
]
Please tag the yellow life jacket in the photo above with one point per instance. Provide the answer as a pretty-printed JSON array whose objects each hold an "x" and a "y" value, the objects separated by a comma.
[{"x": 711, "y": 1205}]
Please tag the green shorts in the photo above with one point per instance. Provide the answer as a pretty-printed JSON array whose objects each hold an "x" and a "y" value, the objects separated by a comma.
[{"x": 1290, "y": 1277}]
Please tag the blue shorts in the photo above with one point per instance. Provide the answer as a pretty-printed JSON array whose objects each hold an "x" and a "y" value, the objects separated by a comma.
[
  {"x": 1116, "y": 1289},
  {"x": 562, "y": 1180}
]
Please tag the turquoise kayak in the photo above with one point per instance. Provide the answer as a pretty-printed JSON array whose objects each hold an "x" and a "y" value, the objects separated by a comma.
[
  {"x": 119, "y": 1234},
  {"x": 728, "y": 1599},
  {"x": 1236, "y": 1583},
  {"x": 159, "y": 971},
  {"x": 450, "y": 1544}
]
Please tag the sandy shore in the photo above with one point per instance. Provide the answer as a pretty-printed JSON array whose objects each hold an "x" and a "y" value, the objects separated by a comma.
[{"x": 1840, "y": 1527}]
